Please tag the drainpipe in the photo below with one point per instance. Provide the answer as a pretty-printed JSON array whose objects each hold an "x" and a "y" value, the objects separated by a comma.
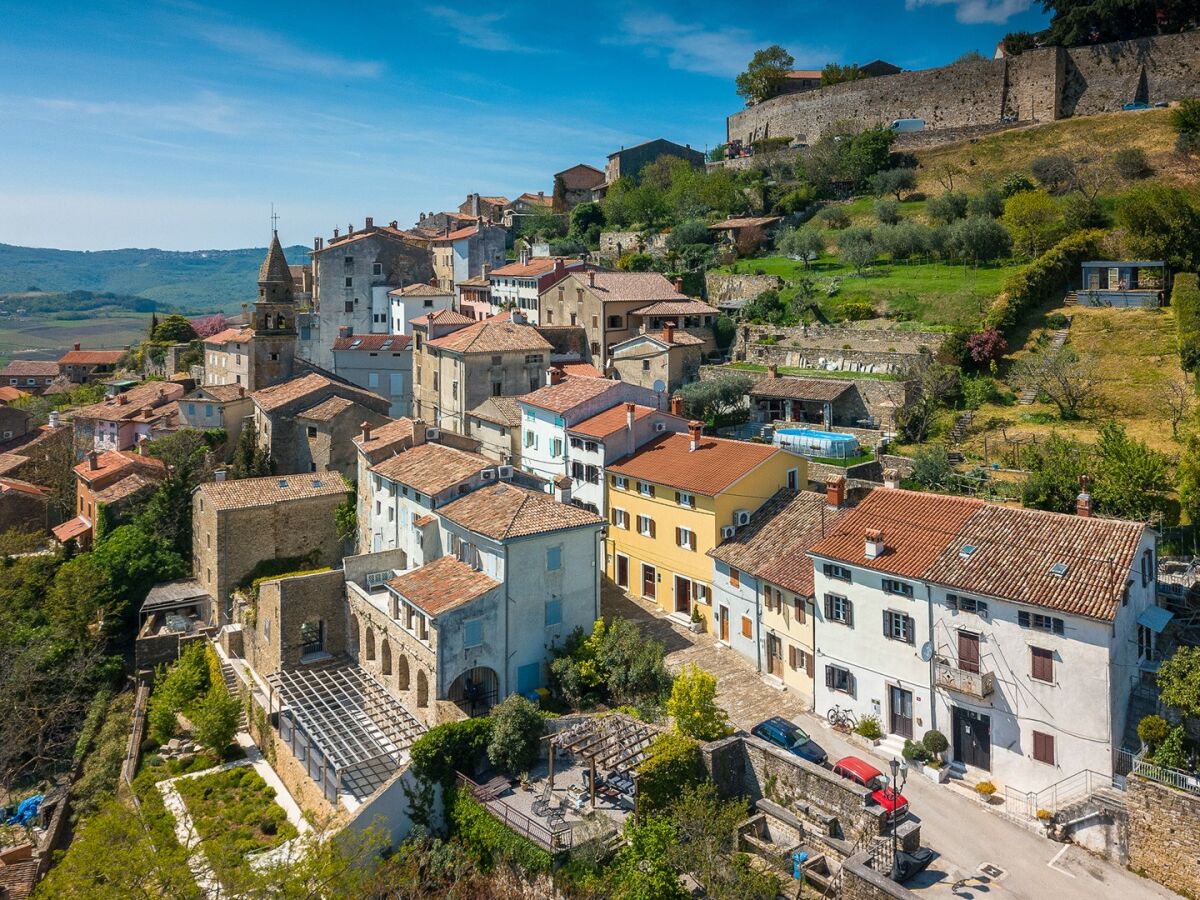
[
  {"x": 932, "y": 652},
  {"x": 758, "y": 635},
  {"x": 507, "y": 602}
]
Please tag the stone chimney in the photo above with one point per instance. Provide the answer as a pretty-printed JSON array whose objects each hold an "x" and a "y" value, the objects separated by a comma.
[
  {"x": 669, "y": 332},
  {"x": 591, "y": 277},
  {"x": 366, "y": 431},
  {"x": 241, "y": 390},
  {"x": 246, "y": 313},
  {"x": 370, "y": 222},
  {"x": 394, "y": 224},
  {"x": 554, "y": 375},
  {"x": 219, "y": 475},
  {"x": 541, "y": 195},
  {"x": 143, "y": 446},
  {"x": 559, "y": 268},
  {"x": 694, "y": 430},
  {"x": 891, "y": 478},
  {"x": 345, "y": 331},
  {"x": 76, "y": 346},
  {"x": 678, "y": 285},
  {"x": 835, "y": 491},
  {"x": 772, "y": 371},
  {"x": 349, "y": 229},
  {"x": 1083, "y": 503},
  {"x": 486, "y": 270},
  {"x": 562, "y": 486},
  {"x": 318, "y": 243},
  {"x": 422, "y": 219},
  {"x": 122, "y": 399},
  {"x": 433, "y": 281},
  {"x": 524, "y": 257},
  {"x": 677, "y": 405},
  {"x": 93, "y": 460},
  {"x": 873, "y": 548},
  {"x": 336, "y": 233},
  {"x": 474, "y": 204}
]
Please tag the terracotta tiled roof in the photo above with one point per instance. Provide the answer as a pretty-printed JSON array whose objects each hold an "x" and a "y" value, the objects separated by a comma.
[
  {"x": 442, "y": 585},
  {"x": 803, "y": 73},
  {"x": 442, "y": 317},
  {"x": 426, "y": 519},
  {"x": 822, "y": 389},
  {"x": 504, "y": 511},
  {"x": 132, "y": 483},
  {"x": 458, "y": 235},
  {"x": 127, "y": 406},
  {"x": 610, "y": 421},
  {"x": 568, "y": 393},
  {"x": 535, "y": 199},
  {"x": 772, "y": 547},
  {"x": 746, "y": 222},
  {"x": 431, "y": 468},
  {"x": 327, "y": 410},
  {"x": 420, "y": 289},
  {"x": 10, "y": 462},
  {"x": 115, "y": 461},
  {"x": 628, "y": 347},
  {"x": 90, "y": 357},
  {"x": 500, "y": 410},
  {"x": 391, "y": 436},
  {"x": 476, "y": 281},
  {"x": 157, "y": 413},
  {"x": 72, "y": 528},
  {"x": 536, "y": 267},
  {"x": 222, "y": 393},
  {"x": 30, "y": 368},
  {"x": 385, "y": 231},
  {"x": 715, "y": 465},
  {"x": 676, "y": 308},
  {"x": 21, "y": 487},
  {"x": 244, "y": 493},
  {"x": 373, "y": 343},
  {"x": 579, "y": 370},
  {"x": 492, "y": 336},
  {"x": 9, "y": 394},
  {"x": 630, "y": 287},
  {"x": 924, "y": 535},
  {"x": 279, "y": 395},
  {"x": 231, "y": 336}
]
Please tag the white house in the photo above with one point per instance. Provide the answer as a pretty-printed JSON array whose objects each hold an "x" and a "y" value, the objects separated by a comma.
[
  {"x": 1017, "y": 633},
  {"x": 518, "y": 284},
  {"x": 550, "y": 411},
  {"x": 413, "y": 301}
]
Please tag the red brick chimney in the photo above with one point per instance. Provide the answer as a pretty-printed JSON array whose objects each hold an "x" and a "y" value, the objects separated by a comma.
[
  {"x": 345, "y": 331},
  {"x": 433, "y": 281},
  {"x": 122, "y": 399},
  {"x": 669, "y": 332},
  {"x": 772, "y": 371},
  {"x": 677, "y": 405},
  {"x": 93, "y": 460},
  {"x": 591, "y": 278},
  {"x": 241, "y": 390},
  {"x": 559, "y": 268},
  {"x": 678, "y": 285},
  {"x": 76, "y": 346},
  {"x": 554, "y": 375},
  {"x": 835, "y": 491},
  {"x": 1083, "y": 503},
  {"x": 694, "y": 430}
]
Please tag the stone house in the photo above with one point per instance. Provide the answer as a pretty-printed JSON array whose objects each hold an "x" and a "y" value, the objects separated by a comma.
[
  {"x": 108, "y": 485},
  {"x": 687, "y": 316},
  {"x": 374, "y": 445},
  {"x": 461, "y": 253},
  {"x": 121, "y": 421},
  {"x": 662, "y": 362},
  {"x": 1031, "y": 620},
  {"x": 309, "y": 424},
  {"x": 379, "y": 363},
  {"x": 521, "y": 572},
  {"x": 30, "y": 375},
  {"x": 496, "y": 424},
  {"x": 518, "y": 285},
  {"x": 745, "y": 235},
  {"x": 575, "y": 185},
  {"x": 763, "y": 579},
  {"x": 228, "y": 358},
  {"x": 224, "y": 406},
  {"x": 415, "y": 300},
  {"x": 23, "y": 506},
  {"x": 825, "y": 402},
  {"x": 490, "y": 209},
  {"x": 86, "y": 366},
  {"x": 293, "y": 621},
  {"x": 526, "y": 205},
  {"x": 431, "y": 224},
  {"x": 238, "y": 525},
  {"x": 603, "y": 304},
  {"x": 174, "y": 614},
  {"x": 14, "y": 424},
  {"x": 352, "y": 275},
  {"x": 629, "y": 161},
  {"x": 457, "y": 364}
]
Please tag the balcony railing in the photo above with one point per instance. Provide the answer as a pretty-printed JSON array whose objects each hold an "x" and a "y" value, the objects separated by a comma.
[{"x": 951, "y": 677}]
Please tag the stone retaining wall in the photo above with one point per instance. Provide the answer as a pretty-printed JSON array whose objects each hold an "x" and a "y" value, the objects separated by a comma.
[
  {"x": 1164, "y": 834},
  {"x": 724, "y": 288},
  {"x": 615, "y": 243}
]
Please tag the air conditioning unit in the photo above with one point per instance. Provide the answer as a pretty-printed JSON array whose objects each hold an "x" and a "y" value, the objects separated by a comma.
[
  {"x": 432, "y": 434},
  {"x": 741, "y": 517},
  {"x": 488, "y": 474},
  {"x": 727, "y": 531},
  {"x": 506, "y": 472},
  {"x": 660, "y": 427}
]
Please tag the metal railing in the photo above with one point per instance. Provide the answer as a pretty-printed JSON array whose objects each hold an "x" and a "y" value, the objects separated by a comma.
[
  {"x": 516, "y": 820},
  {"x": 1189, "y": 782},
  {"x": 951, "y": 677},
  {"x": 1025, "y": 805},
  {"x": 133, "y": 745}
]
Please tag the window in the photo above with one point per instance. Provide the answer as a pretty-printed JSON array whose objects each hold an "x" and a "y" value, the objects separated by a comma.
[
  {"x": 688, "y": 500},
  {"x": 1043, "y": 748},
  {"x": 619, "y": 482},
  {"x": 497, "y": 360},
  {"x": 312, "y": 431},
  {"x": 553, "y": 612},
  {"x": 747, "y": 627},
  {"x": 395, "y": 383},
  {"x": 497, "y": 388},
  {"x": 735, "y": 577},
  {"x": 967, "y": 604},
  {"x": 591, "y": 446},
  {"x": 645, "y": 365},
  {"x": 839, "y": 609},
  {"x": 1145, "y": 639},
  {"x": 686, "y": 538},
  {"x": 1042, "y": 623},
  {"x": 349, "y": 281},
  {"x": 556, "y": 447},
  {"x": 312, "y": 637},
  {"x": 372, "y": 379},
  {"x": 839, "y": 679},
  {"x": 614, "y": 322},
  {"x": 841, "y": 573},
  {"x": 530, "y": 439},
  {"x": 377, "y": 268},
  {"x": 391, "y": 514},
  {"x": 577, "y": 470},
  {"x": 348, "y": 261},
  {"x": 350, "y": 309},
  {"x": 620, "y": 518},
  {"x": 454, "y": 390},
  {"x": 645, "y": 489},
  {"x": 898, "y": 627},
  {"x": 576, "y": 443},
  {"x": 473, "y": 633},
  {"x": 798, "y": 659},
  {"x": 1041, "y": 664},
  {"x": 533, "y": 359},
  {"x": 891, "y": 586},
  {"x": 645, "y": 526},
  {"x": 593, "y": 474},
  {"x": 1147, "y": 567},
  {"x": 792, "y": 480},
  {"x": 553, "y": 559}
]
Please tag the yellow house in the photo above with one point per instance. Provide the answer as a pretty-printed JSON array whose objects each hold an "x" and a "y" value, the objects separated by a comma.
[{"x": 676, "y": 499}]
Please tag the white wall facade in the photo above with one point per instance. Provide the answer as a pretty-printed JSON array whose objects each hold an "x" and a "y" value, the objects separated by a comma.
[
  {"x": 515, "y": 293},
  {"x": 403, "y": 309}
]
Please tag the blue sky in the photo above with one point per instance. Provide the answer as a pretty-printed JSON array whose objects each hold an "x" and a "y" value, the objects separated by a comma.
[{"x": 177, "y": 124}]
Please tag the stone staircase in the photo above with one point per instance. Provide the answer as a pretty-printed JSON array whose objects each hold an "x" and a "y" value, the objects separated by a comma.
[
  {"x": 959, "y": 431},
  {"x": 1143, "y": 701},
  {"x": 229, "y": 676},
  {"x": 1027, "y": 396},
  {"x": 1103, "y": 801}
]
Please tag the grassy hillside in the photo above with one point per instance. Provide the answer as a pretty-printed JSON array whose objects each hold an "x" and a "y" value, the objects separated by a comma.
[{"x": 202, "y": 280}]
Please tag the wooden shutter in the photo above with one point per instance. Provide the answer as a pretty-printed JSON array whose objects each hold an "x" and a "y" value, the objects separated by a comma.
[
  {"x": 792, "y": 657},
  {"x": 808, "y": 662},
  {"x": 678, "y": 536},
  {"x": 651, "y": 490},
  {"x": 828, "y": 608},
  {"x": 800, "y": 610},
  {"x": 850, "y": 613},
  {"x": 614, "y": 517},
  {"x": 691, "y": 540},
  {"x": 1043, "y": 747},
  {"x": 851, "y": 684},
  {"x": 747, "y": 627},
  {"x": 735, "y": 577},
  {"x": 911, "y": 630},
  {"x": 829, "y": 677},
  {"x": 1042, "y": 664},
  {"x": 653, "y": 530},
  {"x": 887, "y": 624}
]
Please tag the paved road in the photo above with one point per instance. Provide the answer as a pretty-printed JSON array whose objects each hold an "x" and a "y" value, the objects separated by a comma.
[{"x": 953, "y": 822}]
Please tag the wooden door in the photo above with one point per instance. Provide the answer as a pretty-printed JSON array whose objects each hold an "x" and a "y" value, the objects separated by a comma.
[
  {"x": 724, "y": 613},
  {"x": 683, "y": 595},
  {"x": 968, "y": 651},
  {"x": 900, "y": 702},
  {"x": 648, "y": 581},
  {"x": 622, "y": 571}
]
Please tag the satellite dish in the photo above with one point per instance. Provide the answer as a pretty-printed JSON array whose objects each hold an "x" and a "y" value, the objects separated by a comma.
[{"x": 926, "y": 652}]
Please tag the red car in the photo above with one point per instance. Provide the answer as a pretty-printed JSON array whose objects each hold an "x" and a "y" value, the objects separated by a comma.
[{"x": 862, "y": 772}]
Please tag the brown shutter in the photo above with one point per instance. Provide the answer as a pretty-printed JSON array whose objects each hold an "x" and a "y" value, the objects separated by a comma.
[
  {"x": 653, "y": 530},
  {"x": 678, "y": 536},
  {"x": 691, "y": 540},
  {"x": 792, "y": 657},
  {"x": 829, "y": 677},
  {"x": 808, "y": 661},
  {"x": 851, "y": 685},
  {"x": 614, "y": 517},
  {"x": 887, "y": 620},
  {"x": 850, "y": 613},
  {"x": 828, "y": 608},
  {"x": 911, "y": 630},
  {"x": 651, "y": 490}
]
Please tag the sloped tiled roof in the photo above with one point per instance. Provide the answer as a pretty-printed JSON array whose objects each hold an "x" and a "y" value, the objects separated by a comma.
[
  {"x": 431, "y": 468},
  {"x": 231, "y": 336},
  {"x": 611, "y": 420},
  {"x": 503, "y": 511},
  {"x": 568, "y": 393},
  {"x": 772, "y": 547},
  {"x": 21, "y": 487},
  {"x": 327, "y": 410},
  {"x": 500, "y": 410},
  {"x": 420, "y": 289},
  {"x": 10, "y": 462},
  {"x": 390, "y": 436},
  {"x": 1015, "y": 549},
  {"x": 534, "y": 268},
  {"x": 630, "y": 287},
  {"x": 127, "y": 486},
  {"x": 711, "y": 468},
  {"x": 822, "y": 389},
  {"x": 271, "y": 398},
  {"x": 458, "y": 235},
  {"x": 492, "y": 336},
  {"x": 373, "y": 343},
  {"x": 129, "y": 405},
  {"x": 442, "y": 317},
  {"x": 221, "y": 393},
  {"x": 244, "y": 493},
  {"x": 275, "y": 266},
  {"x": 442, "y": 585},
  {"x": 746, "y": 222},
  {"x": 70, "y": 529},
  {"x": 676, "y": 308},
  {"x": 90, "y": 357},
  {"x": 30, "y": 368},
  {"x": 9, "y": 394},
  {"x": 579, "y": 370},
  {"x": 115, "y": 461}
]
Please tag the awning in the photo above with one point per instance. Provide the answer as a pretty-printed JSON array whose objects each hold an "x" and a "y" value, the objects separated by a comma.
[{"x": 1155, "y": 618}]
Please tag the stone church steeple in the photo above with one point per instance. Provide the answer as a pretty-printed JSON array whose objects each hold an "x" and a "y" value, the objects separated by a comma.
[
  {"x": 275, "y": 283},
  {"x": 274, "y": 341}
]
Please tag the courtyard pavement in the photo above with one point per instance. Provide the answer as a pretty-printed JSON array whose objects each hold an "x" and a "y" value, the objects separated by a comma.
[{"x": 954, "y": 823}]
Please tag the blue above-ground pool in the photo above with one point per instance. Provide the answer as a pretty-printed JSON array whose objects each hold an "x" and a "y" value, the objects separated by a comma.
[{"x": 812, "y": 442}]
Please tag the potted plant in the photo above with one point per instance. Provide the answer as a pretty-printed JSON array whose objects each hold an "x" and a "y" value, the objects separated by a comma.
[
  {"x": 868, "y": 729},
  {"x": 697, "y": 621},
  {"x": 1046, "y": 818},
  {"x": 986, "y": 790},
  {"x": 935, "y": 744},
  {"x": 523, "y": 778}
]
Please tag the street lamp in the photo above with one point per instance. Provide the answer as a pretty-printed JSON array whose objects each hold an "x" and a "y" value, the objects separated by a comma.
[{"x": 899, "y": 779}]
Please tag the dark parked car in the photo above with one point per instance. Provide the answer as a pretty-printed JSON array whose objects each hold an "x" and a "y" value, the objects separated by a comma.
[{"x": 791, "y": 737}]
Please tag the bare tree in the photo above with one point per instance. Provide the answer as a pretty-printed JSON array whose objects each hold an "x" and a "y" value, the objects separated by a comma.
[
  {"x": 1066, "y": 377},
  {"x": 1177, "y": 403},
  {"x": 945, "y": 173}
]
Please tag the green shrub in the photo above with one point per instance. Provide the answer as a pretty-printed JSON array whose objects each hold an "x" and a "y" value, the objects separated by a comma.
[
  {"x": 1153, "y": 730},
  {"x": 914, "y": 752},
  {"x": 486, "y": 840},
  {"x": 97, "y": 783},
  {"x": 868, "y": 727},
  {"x": 175, "y": 689},
  {"x": 1172, "y": 752},
  {"x": 1043, "y": 279},
  {"x": 1185, "y": 298},
  {"x": 935, "y": 742},
  {"x": 887, "y": 211},
  {"x": 856, "y": 310},
  {"x": 834, "y": 217},
  {"x": 517, "y": 728},
  {"x": 449, "y": 748},
  {"x": 673, "y": 763},
  {"x": 1131, "y": 163}
]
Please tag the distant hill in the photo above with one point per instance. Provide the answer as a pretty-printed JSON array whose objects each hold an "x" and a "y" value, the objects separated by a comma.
[{"x": 201, "y": 280}]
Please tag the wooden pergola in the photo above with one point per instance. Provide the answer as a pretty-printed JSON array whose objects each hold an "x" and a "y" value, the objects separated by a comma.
[{"x": 614, "y": 742}]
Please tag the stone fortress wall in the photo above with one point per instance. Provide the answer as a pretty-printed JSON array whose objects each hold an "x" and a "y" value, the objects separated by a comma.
[{"x": 1037, "y": 86}]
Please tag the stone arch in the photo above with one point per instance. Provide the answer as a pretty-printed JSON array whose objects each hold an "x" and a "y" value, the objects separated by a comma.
[
  {"x": 422, "y": 688},
  {"x": 385, "y": 655},
  {"x": 370, "y": 647},
  {"x": 402, "y": 672},
  {"x": 354, "y": 635}
]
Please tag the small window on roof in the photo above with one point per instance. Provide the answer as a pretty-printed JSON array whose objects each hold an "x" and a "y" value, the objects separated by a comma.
[
  {"x": 967, "y": 551},
  {"x": 1058, "y": 570}
]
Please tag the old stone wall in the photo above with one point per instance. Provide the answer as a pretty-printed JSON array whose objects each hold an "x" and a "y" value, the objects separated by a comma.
[
  {"x": 273, "y": 642},
  {"x": 1164, "y": 834},
  {"x": 861, "y": 882},
  {"x": 615, "y": 243},
  {"x": 1105, "y": 77},
  {"x": 719, "y": 288}
]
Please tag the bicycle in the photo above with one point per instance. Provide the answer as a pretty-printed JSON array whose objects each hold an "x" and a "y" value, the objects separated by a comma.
[{"x": 842, "y": 719}]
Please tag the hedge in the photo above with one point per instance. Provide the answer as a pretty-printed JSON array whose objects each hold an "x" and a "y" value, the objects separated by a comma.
[
  {"x": 451, "y": 747},
  {"x": 1185, "y": 298},
  {"x": 673, "y": 763},
  {"x": 1043, "y": 279},
  {"x": 486, "y": 839}
]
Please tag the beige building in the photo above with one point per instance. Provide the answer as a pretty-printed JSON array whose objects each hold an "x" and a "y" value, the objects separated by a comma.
[
  {"x": 665, "y": 361},
  {"x": 224, "y": 406},
  {"x": 238, "y": 525},
  {"x": 496, "y": 424},
  {"x": 457, "y": 364}
]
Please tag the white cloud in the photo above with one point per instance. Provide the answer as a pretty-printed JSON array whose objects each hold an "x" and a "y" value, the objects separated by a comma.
[
  {"x": 977, "y": 12},
  {"x": 479, "y": 30},
  {"x": 206, "y": 112},
  {"x": 273, "y": 52}
]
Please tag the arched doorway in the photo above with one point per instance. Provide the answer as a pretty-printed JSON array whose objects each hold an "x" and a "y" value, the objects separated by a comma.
[
  {"x": 422, "y": 688},
  {"x": 402, "y": 672},
  {"x": 370, "y": 648},
  {"x": 475, "y": 691},
  {"x": 354, "y": 636},
  {"x": 386, "y": 657}
]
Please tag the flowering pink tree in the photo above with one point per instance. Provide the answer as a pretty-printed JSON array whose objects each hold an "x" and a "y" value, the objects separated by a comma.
[
  {"x": 206, "y": 326},
  {"x": 985, "y": 346}
]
